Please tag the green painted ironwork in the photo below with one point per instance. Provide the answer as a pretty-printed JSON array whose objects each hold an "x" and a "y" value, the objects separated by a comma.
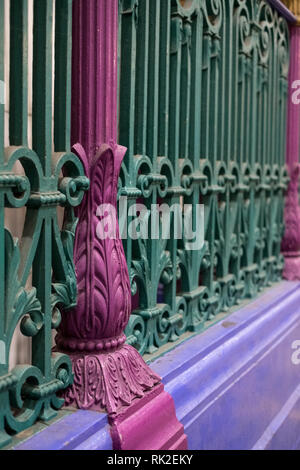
[
  {"x": 202, "y": 110},
  {"x": 53, "y": 176}
]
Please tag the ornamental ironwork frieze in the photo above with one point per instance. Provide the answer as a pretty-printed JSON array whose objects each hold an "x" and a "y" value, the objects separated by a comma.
[{"x": 202, "y": 111}]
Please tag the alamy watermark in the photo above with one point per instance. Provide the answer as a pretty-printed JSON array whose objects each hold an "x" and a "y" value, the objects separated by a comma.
[
  {"x": 296, "y": 354},
  {"x": 296, "y": 93},
  {"x": 160, "y": 221}
]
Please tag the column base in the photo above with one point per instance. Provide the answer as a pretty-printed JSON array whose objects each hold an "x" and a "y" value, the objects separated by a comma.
[
  {"x": 150, "y": 423},
  {"x": 140, "y": 412},
  {"x": 291, "y": 270},
  {"x": 108, "y": 381}
]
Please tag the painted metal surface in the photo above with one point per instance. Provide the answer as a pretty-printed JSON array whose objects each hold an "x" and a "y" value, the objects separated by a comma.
[
  {"x": 203, "y": 90},
  {"x": 51, "y": 178},
  {"x": 237, "y": 385}
]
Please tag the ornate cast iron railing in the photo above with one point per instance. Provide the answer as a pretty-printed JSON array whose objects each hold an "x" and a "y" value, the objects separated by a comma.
[
  {"x": 53, "y": 177},
  {"x": 203, "y": 88},
  {"x": 202, "y": 110}
]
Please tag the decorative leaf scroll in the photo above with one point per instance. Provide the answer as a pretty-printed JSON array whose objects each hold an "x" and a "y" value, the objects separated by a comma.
[
  {"x": 66, "y": 293},
  {"x": 103, "y": 287},
  {"x": 108, "y": 375},
  {"x": 109, "y": 381},
  {"x": 19, "y": 302}
]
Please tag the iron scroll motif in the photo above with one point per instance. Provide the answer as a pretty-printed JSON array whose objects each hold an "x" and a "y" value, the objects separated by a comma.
[{"x": 29, "y": 391}]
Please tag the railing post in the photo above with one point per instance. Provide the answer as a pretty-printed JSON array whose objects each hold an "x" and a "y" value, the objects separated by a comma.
[
  {"x": 291, "y": 240},
  {"x": 108, "y": 374}
]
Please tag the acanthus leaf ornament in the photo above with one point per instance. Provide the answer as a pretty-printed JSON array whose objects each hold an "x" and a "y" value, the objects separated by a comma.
[{"x": 107, "y": 374}]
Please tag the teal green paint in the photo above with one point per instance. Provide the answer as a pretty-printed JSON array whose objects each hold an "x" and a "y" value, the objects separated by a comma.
[
  {"x": 29, "y": 392},
  {"x": 42, "y": 83},
  {"x": 203, "y": 90},
  {"x": 2, "y": 38},
  {"x": 141, "y": 83},
  {"x": 18, "y": 96},
  {"x": 62, "y": 91},
  {"x": 164, "y": 77},
  {"x": 153, "y": 78},
  {"x": 2, "y": 267}
]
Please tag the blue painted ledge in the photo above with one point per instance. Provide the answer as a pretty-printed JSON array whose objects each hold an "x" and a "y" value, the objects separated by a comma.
[
  {"x": 80, "y": 430},
  {"x": 235, "y": 386}
]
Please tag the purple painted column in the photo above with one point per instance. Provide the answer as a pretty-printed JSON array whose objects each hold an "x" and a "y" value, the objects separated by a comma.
[
  {"x": 108, "y": 374},
  {"x": 291, "y": 240}
]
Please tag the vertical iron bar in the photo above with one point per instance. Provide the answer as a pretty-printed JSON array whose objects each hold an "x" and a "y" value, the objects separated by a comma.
[
  {"x": 42, "y": 83},
  {"x": 18, "y": 96},
  {"x": 62, "y": 85}
]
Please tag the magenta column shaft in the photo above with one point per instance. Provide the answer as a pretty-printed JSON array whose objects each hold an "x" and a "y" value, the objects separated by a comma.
[
  {"x": 291, "y": 240},
  {"x": 94, "y": 73},
  {"x": 109, "y": 374},
  {"x": 293, "y": 119}
]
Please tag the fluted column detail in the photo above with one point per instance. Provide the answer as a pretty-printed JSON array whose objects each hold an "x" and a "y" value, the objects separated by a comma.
[{"x": 291, "y": 240}]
